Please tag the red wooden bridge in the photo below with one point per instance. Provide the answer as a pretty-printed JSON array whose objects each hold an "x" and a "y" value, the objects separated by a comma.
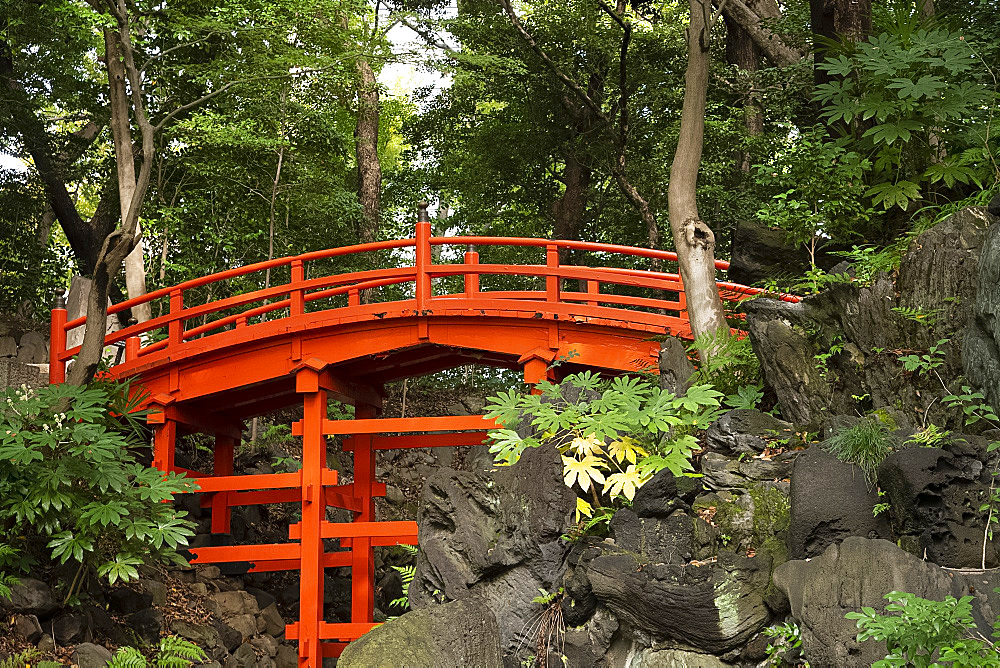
[{"x": 209, "y": 365}]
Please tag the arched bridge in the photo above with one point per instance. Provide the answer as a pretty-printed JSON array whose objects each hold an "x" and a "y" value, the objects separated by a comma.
[{"x": 216, "y": 355}]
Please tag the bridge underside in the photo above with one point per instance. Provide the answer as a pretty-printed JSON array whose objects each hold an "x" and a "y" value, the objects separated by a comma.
[{"x": 253, "y": 370}]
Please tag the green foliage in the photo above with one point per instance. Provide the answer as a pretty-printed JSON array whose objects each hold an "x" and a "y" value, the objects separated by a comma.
[
  {"x": 910, "y": 90},
  {"x": 865, "y": 445},
  {"x": 922, "y": 633},
  {"x": 172, "y": 652},
  {"x": 820, "y": 187},
  {"x": 786, "y": 636},
  {"x": 918, "y": 315},
  {"x": 924, "y": 364},
  {"x": 406, "y": 574},
  {"x": 70, "y": 482},
  {"x": 545, "y": 597},
  {"x": 21, "y": 659},
  {"x": 973, "y": 405},
  {"x": 616, "y": 433},
  {"x": 928, "y": 437},
  {"x": 725, "y": 361},
  {"x": 746, "y": 397}
]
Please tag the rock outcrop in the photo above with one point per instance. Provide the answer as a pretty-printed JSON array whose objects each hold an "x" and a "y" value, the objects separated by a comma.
[
  {"x": 460, "y": 633},
  {"x": 860, "y": 572}
]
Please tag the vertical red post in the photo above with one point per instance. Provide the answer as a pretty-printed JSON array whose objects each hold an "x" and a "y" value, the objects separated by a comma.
[
  {"x": 131, "y": 348},
  {"x": 175, "y": 330},
  {"x": 535, "y": 371},
  {"x": 164, "y": 441},
  {"x": 297, "y": 296},
  {"x": 363, "y": 562},
  {"x": 593, "y": 288},
  {"x": 471, "y": 280},
  {"x": 552, "y": 280},
  {"x": 57, "y": 342},
  {"x": 223, "y": 465},
  {"x": 423, "y": 256},
  {"x": 311, "y": 574}
]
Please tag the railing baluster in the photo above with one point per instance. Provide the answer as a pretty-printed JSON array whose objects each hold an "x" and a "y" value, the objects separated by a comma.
[
  {"x": 354, "y": 298},
  {"x": 423, "y": 256},
  {"x": 175, "y": 330},
  {"x": 298, "y": 297},
  {"x": 593, "y": 288},
  {"x": 552, "y": 282},
  {"x": 471, "y": 280},
  {"x": 131, "y": 348}
]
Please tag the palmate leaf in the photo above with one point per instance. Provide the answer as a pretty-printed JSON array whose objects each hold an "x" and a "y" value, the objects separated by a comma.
[
  {"x": 122, "y": 568},
  {"x": 894, "y": 194},
  {"x": 625, "y": 483},
  {"x": 626, "y": 449},
  {"x": 582, "y": 471}
]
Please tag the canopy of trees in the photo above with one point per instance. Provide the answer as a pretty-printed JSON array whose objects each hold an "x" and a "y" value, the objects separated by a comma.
[{"x": 172, "y": 139}]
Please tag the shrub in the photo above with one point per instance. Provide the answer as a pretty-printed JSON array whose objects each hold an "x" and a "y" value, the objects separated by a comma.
[
  {"x": 172, "y": 652},
  {"x": 922, "y": 633},
  {"x": 616, "y": 433},
  {"x": 72, "y": 489}
]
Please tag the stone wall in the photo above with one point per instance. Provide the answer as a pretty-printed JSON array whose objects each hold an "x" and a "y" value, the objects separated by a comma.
[{"x": 24, "y": 353}]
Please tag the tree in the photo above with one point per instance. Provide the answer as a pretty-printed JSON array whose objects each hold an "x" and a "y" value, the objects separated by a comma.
[{"x": 693, "y": 239}]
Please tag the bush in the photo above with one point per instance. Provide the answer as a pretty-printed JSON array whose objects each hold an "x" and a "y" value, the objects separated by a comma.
[
  {"x": 923, "y": 633},
  {"x": 71, "y": 487},
  {"x": 616, "y": 433}
]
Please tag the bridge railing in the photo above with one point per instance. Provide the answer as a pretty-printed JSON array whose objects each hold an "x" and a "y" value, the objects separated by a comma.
[{"x": 664, "y": 307}]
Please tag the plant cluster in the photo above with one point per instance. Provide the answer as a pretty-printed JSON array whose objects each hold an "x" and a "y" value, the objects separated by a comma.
[
  {"x": 614, "y": 433},
  {"x": 72, "y": 487},
  {"x": 171, "y": 652},
  {"x": 866, "y": 445},
  {"x": 924, "y": 634}
]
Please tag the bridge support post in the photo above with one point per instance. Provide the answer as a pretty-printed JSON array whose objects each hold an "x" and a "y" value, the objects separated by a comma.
[
  {"x": 362, "y": 561},
  {"x": 223, "y": 465},
  {"x": 311, "y": 573},
  {"x": 164, "y": 442}
]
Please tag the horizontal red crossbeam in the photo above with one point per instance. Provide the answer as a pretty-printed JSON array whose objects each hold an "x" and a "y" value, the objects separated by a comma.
[
  {"x": 329, "y": 560},
  {"x": 422, "y": 441},
  {"x": 404, "y": 425},
  {"x": 344, "y": 631},
  {"x": 341, "y": 496},
  {"x": 403, "y": 530}
]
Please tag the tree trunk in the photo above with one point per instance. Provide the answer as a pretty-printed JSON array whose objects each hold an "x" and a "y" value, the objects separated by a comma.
[
  {"x": 837, "y": 18},
  {"x": 693, "y": 239},
  {"x": 749, "y": 18},
  {"x": 121, "y": 131},
  {"x": 742, "y": 52},
  {"x": 571, "y": 207},
  {"x": 366, "y": 148}
]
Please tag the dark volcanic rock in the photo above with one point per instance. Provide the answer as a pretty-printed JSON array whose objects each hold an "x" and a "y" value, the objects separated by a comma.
[
  {"x": 830, "y": 501},
  {"x": 669, "y": 540},
  {"x": 496, "y": 536},
  {"x": 937, "y": 276},
  {"x": 664, "y": 493},
  {"x": 675, "y": 367},
  {"x": 859, "y": 572},
  {"x": 747, "y": 430},
  {"x": 981, "y": 345},
  {"x": 713, "y": 608},
  {"x": 760, "y": 252},
  {"x": 71, "y": 628},
  {"x": 460, "y": 633},
  {"x": 934, "y": 498},
  {"x": 30, "y": 597}
]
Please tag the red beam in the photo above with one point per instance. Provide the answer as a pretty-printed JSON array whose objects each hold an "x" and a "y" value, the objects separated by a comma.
[
  {"x": 342, "y": 631},
  {"x": 228, "y": 553},
  {"x": 403, "y": 529},
  {"x": 423, "y": 441},
  {"x": 394, "y": 425},
  {"x": 330, "y": 560}
]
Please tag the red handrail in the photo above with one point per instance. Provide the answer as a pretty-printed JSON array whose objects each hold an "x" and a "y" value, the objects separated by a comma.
[{"x": 298, "y": 292}]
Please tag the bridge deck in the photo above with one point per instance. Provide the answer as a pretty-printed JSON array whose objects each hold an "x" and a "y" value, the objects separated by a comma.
[{"x": 209, "y": 364}]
